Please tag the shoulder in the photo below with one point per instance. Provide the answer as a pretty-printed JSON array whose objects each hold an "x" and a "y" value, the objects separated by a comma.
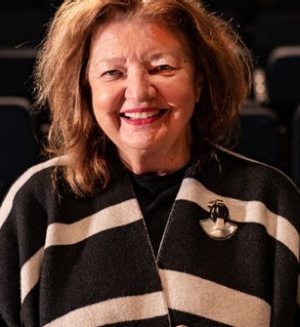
[
  {"x": 239, "y": 167},
  {"x": 231, "y": 175},
  {"x": 34, "y": 182},
  {"x": 38, "y": 173}
]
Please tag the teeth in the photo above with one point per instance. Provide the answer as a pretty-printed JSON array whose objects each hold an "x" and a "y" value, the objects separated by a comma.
[{"x": 141, "y": 115}]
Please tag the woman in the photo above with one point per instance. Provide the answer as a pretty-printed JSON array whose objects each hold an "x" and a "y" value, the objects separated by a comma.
[{"x": 140, "y": 219}]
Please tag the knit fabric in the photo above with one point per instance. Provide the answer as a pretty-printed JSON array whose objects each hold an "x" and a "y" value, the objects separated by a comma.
[{"x": 86, "y": 262}]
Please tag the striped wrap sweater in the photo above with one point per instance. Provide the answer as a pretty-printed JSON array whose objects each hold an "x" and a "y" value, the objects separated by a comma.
[{"x": 86, "y": 262}]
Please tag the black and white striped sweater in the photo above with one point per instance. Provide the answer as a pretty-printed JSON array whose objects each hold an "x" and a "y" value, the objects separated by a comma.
[{"x": 77, "y": 262}]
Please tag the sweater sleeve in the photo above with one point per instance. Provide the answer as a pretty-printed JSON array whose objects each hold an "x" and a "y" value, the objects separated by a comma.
[
  {"x": 23, "y": 223},
  {"x": 10, "y": 305}
]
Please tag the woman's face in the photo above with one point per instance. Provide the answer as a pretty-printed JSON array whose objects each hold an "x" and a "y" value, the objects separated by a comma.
[{"x": 143, "y": 87}]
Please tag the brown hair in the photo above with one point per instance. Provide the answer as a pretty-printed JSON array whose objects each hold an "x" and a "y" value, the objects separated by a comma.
[{"x": 219, "y": 55}]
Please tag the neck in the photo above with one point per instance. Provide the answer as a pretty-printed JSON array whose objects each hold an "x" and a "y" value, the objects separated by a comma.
[{"x": 142, "y": 162}]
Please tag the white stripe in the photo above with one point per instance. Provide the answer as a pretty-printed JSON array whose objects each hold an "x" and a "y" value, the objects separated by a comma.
[
  {"x": 30, "y": 273},
  {"x": 64, "y": 234},
  {"x": 8, "y": 201},
  {"x": 117, "y": 215},
  {"x": 246, "y": 212},
  {"x": 113, "y": 311},
  {"x": 207, "y": 299}
]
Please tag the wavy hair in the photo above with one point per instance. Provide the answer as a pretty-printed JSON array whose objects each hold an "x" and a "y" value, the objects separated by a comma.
[{"x": 61, "y": 84}]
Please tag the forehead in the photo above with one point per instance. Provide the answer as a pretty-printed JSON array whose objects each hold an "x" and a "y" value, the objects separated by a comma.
[{"x": 140, "y": 35}]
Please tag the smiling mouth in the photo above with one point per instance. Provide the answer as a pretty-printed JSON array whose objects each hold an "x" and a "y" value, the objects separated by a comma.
[{"x": 143, "y": 115}]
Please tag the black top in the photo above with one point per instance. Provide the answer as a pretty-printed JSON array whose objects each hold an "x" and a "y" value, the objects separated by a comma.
[{"x": 156, "y": 195}]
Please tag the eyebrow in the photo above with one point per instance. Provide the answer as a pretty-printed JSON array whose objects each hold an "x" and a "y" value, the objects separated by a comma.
[{"x": 148, "y": 57}]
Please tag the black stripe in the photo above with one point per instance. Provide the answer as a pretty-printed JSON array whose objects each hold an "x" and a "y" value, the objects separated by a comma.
[
  {"x": 236, "y": 177},
  {"x": 244, "y": 262},
  {"x": 183, "y": 318},
  {"x": 111, "y": 264}
]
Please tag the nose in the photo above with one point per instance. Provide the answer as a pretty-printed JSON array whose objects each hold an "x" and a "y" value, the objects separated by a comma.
[{"x": 139, "y": 87}]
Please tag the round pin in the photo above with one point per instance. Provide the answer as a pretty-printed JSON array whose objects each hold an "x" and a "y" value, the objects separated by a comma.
[{"x": 217, "y": 226}]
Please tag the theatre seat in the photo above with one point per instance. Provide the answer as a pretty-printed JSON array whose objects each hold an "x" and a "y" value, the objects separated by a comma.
[
  {"x": 259, "y": 135},
  {"x": 18, "y": 146}
]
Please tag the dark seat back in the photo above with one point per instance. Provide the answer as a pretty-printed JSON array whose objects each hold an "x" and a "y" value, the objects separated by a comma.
[
  {"x": 259, "y": 138},
  {"x": 18, "y": 145}
]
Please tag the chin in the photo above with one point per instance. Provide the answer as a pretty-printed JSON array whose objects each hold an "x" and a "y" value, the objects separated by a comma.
[{"x": 142, "y": 146}]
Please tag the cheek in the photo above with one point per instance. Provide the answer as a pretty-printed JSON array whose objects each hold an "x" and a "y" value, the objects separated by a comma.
[
  {"x": 185, "y": 90},
  {"x": 105, "y": 108},
  {"x": 182, "y": 95},
  {"x": 99, "y": 96},
  {"x": 104, "y": 101}
]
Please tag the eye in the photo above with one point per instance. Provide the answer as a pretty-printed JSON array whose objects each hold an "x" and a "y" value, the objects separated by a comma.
[
  {"x": 162, "y": 69},
  {"x": 112, "y": 74}
]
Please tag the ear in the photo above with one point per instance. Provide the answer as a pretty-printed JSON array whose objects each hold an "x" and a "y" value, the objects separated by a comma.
[{"x": 198, "y": 87}]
